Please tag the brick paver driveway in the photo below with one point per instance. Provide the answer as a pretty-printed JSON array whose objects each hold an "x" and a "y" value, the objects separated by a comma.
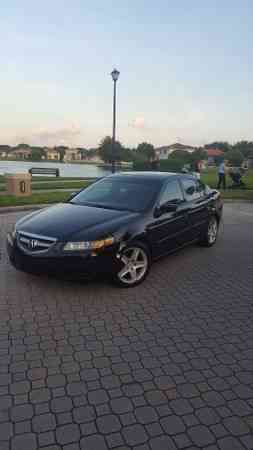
[{"x": 168, "y": 365}]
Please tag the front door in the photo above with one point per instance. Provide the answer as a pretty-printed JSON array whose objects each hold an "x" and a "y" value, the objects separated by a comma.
[
  {"x": 197, "y": 206},
  {"x": 166, "y": 232}
]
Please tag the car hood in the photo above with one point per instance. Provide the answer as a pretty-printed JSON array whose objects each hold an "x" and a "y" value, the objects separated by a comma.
[{"x": 66, "y": 220}]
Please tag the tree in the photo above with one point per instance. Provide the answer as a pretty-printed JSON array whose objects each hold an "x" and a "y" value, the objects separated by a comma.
[
  {"x": 37, "y": 153},
  {"x": 26, "y": 146},
  {"x": 106, "y": 151},
  {"x": 224, "y": 146},
  {"x": 128, "y": 154},
  {"x": 245, "y": 147},
  {"x": 62, "y": 150},
  {"x": 146, "y": 150},
  {"x": 198, "y": 155},
  {"x": 180, "y": 155},
  {"x": 83, "y": 152},
  {"x": 235, "y": 157},
  {"x": 171, "y": 165}
]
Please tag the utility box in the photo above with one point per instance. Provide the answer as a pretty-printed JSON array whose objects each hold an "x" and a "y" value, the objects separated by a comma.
[{"x": 18, "y": 184}]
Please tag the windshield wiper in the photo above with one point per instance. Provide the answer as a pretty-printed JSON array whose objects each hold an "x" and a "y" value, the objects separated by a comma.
[{"x": 101, "y": 206}]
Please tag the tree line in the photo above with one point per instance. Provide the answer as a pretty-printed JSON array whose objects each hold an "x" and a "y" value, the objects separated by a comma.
[{"x": 145, "y": 153}]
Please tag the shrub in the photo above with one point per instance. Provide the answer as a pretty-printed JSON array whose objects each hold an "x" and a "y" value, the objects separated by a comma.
[
  {"x": 235, "y": 157},
  {"x": 142, "y": 165},
  {"x": 171, "y": 165}
]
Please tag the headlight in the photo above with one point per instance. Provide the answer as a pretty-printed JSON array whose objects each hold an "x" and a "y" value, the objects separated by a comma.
[{"x": 88, "y": 245}]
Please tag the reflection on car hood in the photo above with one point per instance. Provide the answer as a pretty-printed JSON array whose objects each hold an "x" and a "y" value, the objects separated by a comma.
[{"x": 65, "y": 220}]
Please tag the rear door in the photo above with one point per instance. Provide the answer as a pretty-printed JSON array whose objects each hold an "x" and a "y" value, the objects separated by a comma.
[
  {"x": 165, "y": 232},
  {"x": 197, "y": 206}
]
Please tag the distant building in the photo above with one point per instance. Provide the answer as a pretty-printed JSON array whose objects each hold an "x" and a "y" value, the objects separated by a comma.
[
  {"x": 21, "y": 153},
  {"x": 52, "y": 154},
  {"x": 212, "y": 154},
  {"x": 93, "y": 158},
  {"x": 72, "y": 154},
  {"x": 165, "y": 151}
]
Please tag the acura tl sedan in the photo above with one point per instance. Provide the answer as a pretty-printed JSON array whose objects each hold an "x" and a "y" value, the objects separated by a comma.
[{"x": 118, "y": 225}]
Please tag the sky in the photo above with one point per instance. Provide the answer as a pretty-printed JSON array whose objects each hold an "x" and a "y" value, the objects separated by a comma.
[{"x": 186, "y": 71}]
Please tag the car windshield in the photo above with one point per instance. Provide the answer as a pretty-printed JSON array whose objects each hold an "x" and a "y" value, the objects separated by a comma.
[{"x": 120, "y": 193}]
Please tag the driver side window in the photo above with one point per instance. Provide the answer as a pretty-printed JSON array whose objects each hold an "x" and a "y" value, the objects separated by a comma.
[
  {"x": 191, "y": 189},
  {"x": 172, "y": 193}
]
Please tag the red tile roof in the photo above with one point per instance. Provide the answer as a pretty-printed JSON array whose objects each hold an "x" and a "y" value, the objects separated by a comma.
[{"x": 212, "y": 152}]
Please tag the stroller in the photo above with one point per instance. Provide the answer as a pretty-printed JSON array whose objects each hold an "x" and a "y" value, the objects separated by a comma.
[{"x": 236, "y": 175}]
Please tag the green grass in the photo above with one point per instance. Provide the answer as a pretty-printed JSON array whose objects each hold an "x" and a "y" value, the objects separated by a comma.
[
  {"x": 210, "y": 178},
  {"x": 50, "y": 179},
  {"x": 54, "y": 185},
  {"x": 34, "y": 199},
  {"x": 238, "y": 195}
]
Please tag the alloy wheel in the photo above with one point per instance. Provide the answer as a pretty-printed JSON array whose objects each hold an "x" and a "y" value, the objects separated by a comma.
[
  {"x": 135, "y": 266},
  {"x": 212, "y": 231}
]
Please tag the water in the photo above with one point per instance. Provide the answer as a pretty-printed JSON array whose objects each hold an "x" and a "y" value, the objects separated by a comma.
[{"x": 66, "y": 170}]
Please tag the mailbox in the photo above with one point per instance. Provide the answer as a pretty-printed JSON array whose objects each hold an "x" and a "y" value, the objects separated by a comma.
[{"x": 18, "y": 184}]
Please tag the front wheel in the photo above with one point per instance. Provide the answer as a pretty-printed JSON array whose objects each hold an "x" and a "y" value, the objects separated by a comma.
[
  {"x": 136, "y": 262},
  {"x": 211, "y": 234}
]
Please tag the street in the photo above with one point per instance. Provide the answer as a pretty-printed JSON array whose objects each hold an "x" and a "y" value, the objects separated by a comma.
[{"x": 167, "y": 365}]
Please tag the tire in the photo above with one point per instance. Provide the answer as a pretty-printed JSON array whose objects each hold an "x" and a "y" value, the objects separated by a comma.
[
  {"x": 135, "y": 254},
  {"x": 211, "y": 233}
]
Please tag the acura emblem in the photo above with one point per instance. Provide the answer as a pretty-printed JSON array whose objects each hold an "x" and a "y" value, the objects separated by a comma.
[{"x": 33, "y": 244}]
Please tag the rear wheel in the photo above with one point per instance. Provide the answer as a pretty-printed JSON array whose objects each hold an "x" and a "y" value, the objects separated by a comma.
[
  {"x": 136, "y": 262},
  {"x": 211, "y": 233}
]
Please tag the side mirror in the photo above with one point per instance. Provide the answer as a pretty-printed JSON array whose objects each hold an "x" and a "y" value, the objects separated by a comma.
[
  {"x": 190, "y": 190},
  {"x": 169, "y": 207},
  {"x": 165, "y": 208},
  {"x": 72, "y": 195}
]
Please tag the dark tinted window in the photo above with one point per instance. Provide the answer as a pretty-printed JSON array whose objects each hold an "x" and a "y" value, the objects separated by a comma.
[
  {"x": 190, "y": 189},
  {"x": 172, "y": 193},
  {"x": 121, "y": 193},
  {"x": 201, "y": 188}
]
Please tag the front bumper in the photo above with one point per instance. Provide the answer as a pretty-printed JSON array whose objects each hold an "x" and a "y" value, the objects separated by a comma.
[{"x": 86, "y": 264}]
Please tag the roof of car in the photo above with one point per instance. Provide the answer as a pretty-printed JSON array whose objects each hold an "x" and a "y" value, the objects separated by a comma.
[{"x": 149, "y": 175}]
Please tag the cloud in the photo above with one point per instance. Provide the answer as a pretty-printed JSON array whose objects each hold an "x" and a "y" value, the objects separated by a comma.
[
  {"x": 51, "y": 135},
  {"x": 61, "y": 135},
  {"x": 138, "y": 123}
]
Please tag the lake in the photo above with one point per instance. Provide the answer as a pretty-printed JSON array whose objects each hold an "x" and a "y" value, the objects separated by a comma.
[{"x": 66, "y": 169}]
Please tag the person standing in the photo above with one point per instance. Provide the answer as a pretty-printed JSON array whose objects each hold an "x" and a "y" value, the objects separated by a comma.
[
  {"x": 195, "y": 169},
  {"x": 222, "y": 175}
]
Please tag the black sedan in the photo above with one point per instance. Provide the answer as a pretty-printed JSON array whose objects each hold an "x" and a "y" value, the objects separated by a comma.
[{"x": 118, "y": 225}]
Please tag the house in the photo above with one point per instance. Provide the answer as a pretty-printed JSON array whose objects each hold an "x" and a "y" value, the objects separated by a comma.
[
  {"x": 21, "y": 153},
  {"x": 212, "y": 154},
  {"x": 3, "y": 154},
  {"x": 52, "y": 154},
  {"x": 72, "y": 154},
  {"x": 165, "y": 151}
]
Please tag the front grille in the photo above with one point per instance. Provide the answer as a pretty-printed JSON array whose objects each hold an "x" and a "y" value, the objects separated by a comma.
[{"x": 34, "y": 243}]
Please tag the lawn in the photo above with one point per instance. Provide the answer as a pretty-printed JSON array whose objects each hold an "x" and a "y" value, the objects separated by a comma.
[
  {"x": 50, "y": 179},
  {"x": 210, "y": 178},
  {"x": 55, "y": 185},
  {"x": 34, "y": 199}
]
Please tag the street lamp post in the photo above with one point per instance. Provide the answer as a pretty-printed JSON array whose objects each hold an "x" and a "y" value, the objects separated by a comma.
[{"x": 115, "y": 75}]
